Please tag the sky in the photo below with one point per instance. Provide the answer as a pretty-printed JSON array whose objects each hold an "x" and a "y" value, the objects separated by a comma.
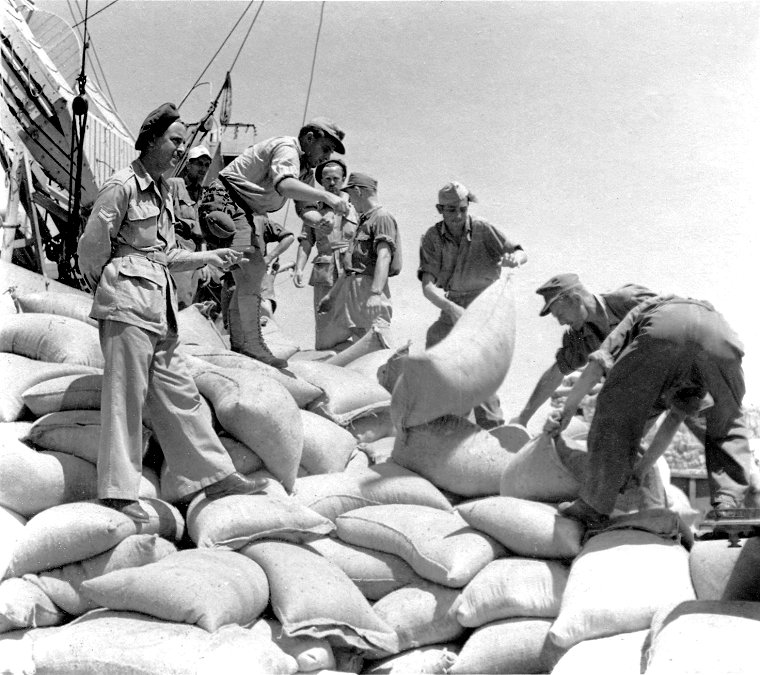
[{"x": 618, "y": 140}]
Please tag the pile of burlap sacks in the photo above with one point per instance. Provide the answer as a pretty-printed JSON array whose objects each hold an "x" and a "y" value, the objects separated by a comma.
[{"x": 395, "y": 537}]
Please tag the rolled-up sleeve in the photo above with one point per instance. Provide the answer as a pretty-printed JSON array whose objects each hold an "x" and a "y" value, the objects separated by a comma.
[
  {"x": 385, "y": 231},
  {"x": 430, "y": 256},
  {"x": 498, "y": 243},
  {"x": 284, "y": 163},
  {"x": 94, "y": 247}
]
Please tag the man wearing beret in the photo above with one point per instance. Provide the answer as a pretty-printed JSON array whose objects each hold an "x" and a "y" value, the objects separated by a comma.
[
  {"x": 668, "y": 352},
  {"x": 257, "y": 182},
  {"x": 461, "y": 256},
  {"x": 375, "y": 256},
  {"x": 125, "y": 254},
  {"x": 332, "y": 237},
  {"x": 186, "y": 193},
  {"x": 589, "y": 316}
]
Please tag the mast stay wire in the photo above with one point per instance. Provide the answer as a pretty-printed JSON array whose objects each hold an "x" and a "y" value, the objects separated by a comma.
[
  {"x": 311, "y": 81},
  {"x": 208, "y": 65},
  {"x": 102, "y": 9},
  {"x": 101, "y": 80}
]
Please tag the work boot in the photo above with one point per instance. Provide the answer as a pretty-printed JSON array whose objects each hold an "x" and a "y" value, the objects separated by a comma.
[
  {"x": 236, "y": 484},
  {"x": 245, "y": 332},
  {"x": 129, "y": 507},
  {"x": 585, "y": 513}
]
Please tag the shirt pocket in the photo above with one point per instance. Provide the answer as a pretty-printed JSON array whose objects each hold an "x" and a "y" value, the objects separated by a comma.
[
  {"x": 143, "y": 224},
  {"x": 141, "y": 288}
]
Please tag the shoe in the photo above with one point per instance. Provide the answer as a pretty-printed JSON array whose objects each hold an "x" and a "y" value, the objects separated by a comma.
[
  {"x": 236, "y": 484},
  {"x": 580, "y": 510},
  {"x": 245, "y": 332},
  {"x": 129, "y": 507}
]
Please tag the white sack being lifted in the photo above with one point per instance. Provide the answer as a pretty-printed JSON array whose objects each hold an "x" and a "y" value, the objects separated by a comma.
[{"x": 466, "y": 367}]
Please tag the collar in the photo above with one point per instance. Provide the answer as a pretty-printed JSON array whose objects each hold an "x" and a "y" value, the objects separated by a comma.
[
  {"x": 367, "y": 214},
  {"x": 444, "y": 231},
  {"x": 601, "y": 318},
  {"x": 144, "y": 179}
]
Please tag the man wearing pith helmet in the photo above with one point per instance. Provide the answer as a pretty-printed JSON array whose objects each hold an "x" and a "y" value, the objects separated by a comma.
[{"x": 461, "y": 256}]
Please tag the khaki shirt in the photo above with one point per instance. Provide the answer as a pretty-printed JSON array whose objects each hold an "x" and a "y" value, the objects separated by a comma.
[
  {"x": 326, "y": 243},
  {"x": 132, "y": 212}
]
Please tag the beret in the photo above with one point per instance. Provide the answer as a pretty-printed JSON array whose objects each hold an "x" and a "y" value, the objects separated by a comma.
[{"x": 155, "y": 124}]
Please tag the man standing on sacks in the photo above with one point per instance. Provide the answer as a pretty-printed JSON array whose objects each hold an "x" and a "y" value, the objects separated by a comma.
[
  {"x": 460, "y": 257},
  {"x": 257, "y": 182},
  {"x": 126, "y": 253}
]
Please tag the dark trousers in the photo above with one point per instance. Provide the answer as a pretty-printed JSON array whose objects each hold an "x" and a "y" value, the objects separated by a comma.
[
  {"x": 679, "y": 350},
  {"x": 488, "y": 414}
]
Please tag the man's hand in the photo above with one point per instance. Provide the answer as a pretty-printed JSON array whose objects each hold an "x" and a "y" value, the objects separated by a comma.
[
  {"x": 557, "y": 421},
  {"x": 454, "y": 311},
  {"x": 325, "y": 305},
  {"x": 298, "y": 281},
  {"x": 514, "y": 259},
  {"x": 374, "y": 305},
  {"x": 223, "y": 258},
  {"x": 337, "y": 204}
]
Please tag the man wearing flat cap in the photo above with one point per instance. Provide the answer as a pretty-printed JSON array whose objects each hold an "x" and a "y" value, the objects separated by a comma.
[
  {"x": 331, "y": 238},
  {"x": 375, "y": 256},
  {"x": 668, "y": 352},
  {"x": 257, "y": 182},
  {"x": 461, "y": 256},
  {"x": 589, "y": 316},
  {"x": 126, "y": 252}
]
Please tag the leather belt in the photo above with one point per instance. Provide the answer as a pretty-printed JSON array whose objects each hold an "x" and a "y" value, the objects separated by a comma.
[{"x": 122, "y": 250}]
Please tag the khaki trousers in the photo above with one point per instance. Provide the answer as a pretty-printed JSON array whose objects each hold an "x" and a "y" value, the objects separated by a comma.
[{"x": 144, "y": 369}]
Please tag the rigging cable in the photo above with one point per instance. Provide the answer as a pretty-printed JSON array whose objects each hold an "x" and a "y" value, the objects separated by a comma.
[
  {"x": 208, "y": 65},
  {"x": 102, "y": 9}
]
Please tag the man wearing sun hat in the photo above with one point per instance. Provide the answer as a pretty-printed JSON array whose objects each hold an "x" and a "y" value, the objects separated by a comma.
[
  {"x": 125, "y": 253},
  {"x": 461, "y": 256},
  {"x": 186, "y": 193},
  {"x": 589, "y": 316},
  {"x": 259, "y": 181}
]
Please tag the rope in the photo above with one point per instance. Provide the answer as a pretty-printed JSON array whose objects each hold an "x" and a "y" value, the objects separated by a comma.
[
  {"x": 208, "y": 65},
  {"x": 313, "y": 61},
  {"x": 234, "y": 61},
  {"x": 102, "y": 9}
]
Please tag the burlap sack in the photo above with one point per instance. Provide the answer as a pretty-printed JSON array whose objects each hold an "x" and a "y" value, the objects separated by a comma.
[
  {"x": 70, "y": 392},
  {"x": 421, "y": 614},
  {"x": 196, "y": 328},
  {"x": 63, "y": 584},
  {"x": 311, "y": 654},
  {"x": 303, "y": 392},
  {"x": 438, "y": 545},
  {"x": 711, "y": 564},
  {"x": 703, "y": 637},
  {"x": 327, "y": 447},
  {"x": 11, "y": 527},
  {"x": 312, "y": 597},
  {"x": 619, "y": 654},
  {"x": 125, "y": 642},
  {"x": 19, "y": 373},
  {"x": 455, "y": 455},
  {"x": 23, "y": 605},
  {"x": 208, "y": 588},
  {"x": 612, "y": 588},
  {"x": 508, "y": 646},
  {"x": 373, "y": 426},
  {"x": 75, "y": 305},
  {"x": 52, "y": 338},
  {"x": 513, "y": 587},
  {"x": 466, "y": 367},
  {"x": 524, "y": 527},
  {"x": 432, "y": 659},
  {"x": 375, "y": 573},
  {"x": 347, "y": 394},
  {"x": 388, "y": 483},
  {"x": 235, "y": 521}
]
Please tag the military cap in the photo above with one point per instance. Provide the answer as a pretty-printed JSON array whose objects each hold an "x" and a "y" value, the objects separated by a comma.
[
  {"x": 360, "y": 180},
  {"x": 332, "y": 130},
  {"x": 555, "y": 287},
  {"x": 155, "y": 124},
  {"x": 323, "y": 165},
  {"x": 219, "y": 224},
  {"x": 454, "y": 192}
]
